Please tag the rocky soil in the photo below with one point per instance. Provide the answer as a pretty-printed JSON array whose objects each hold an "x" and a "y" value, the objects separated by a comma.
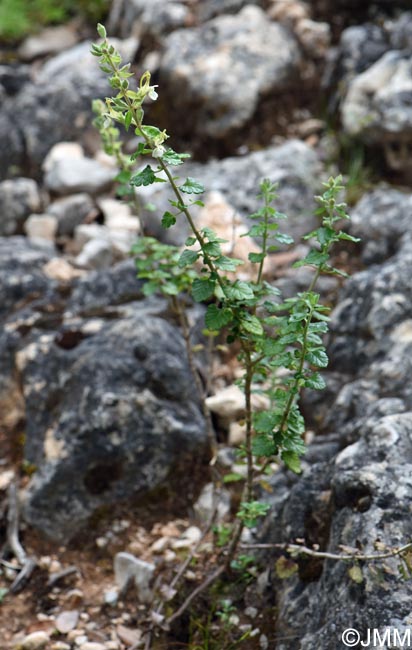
[{"x": 101, "y": 425}]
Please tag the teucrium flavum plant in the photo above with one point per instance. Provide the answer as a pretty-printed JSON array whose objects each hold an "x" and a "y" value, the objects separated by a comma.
[{"x": 272, "y": 334}]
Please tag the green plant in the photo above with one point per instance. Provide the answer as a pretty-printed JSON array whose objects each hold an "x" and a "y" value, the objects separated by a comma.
[
  {"x": 18, "y": 18},
  {"x": 272, "y": 334}
]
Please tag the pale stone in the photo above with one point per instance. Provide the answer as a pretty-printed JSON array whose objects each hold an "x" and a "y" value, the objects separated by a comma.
[
  {"x": 189, "y": 538},
  {"x": 129, "y": 568},
  {"x": 67, "y": 621},
  {"x": 59, "y": 269},
  {"x": 96, "y": 254},
  {"x": 34, "y": 641},
  {"x": 208, "y": 501},
  {"x": 61, "y": 151},
  {"x": 41, "y": 226},
  {"x": 51, "y": 40}
]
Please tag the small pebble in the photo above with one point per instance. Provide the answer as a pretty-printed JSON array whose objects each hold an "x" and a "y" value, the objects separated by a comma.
[
  {"x": 111, "y": 597},
  {"x": 67, "y": 621},
  {"x": 34, "y": 641},
  {"x": 92, "y": 645},
  {"x": 251, "y": 612}
]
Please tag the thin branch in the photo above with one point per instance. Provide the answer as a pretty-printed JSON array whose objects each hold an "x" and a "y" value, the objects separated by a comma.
[
  {"x": 13, "y": 525},
  {"x": 305, "y": 550},
  {"x": 202, "y": 587}
]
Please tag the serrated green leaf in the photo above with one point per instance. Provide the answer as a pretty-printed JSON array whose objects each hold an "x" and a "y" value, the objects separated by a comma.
[
  {"x": 256, "y": 258},
  {"x": 212, "y": 248},
  {"x": 187, "y": 258},
  {"x": 265, "y": 421},
  {"x": 192, "y": 186},
  {"x": 216, "y": 318},
  {"x": 170, "y": 289},
  {"x": 211, "y": 235},
  {"x": 263, "y": 445},
  {"x": 168, "y": 220},
  {"x": 317, "y": 357},
  {"x": 315, "y": 382},
  {"x": 170, "y": 157},
  {"x": 251, "y": 324},
  {"x": 292, "y": 461},
  {"x": 282, "y": 238},
  {"x": 203, "y": 289},
  {"x": 314, "y": 258},
  {"x": 145, "y": 177},
  {"x": 190, "y": 241},
  {"x": 240, "y": 291},
  {"x": 227, "y": 263}
]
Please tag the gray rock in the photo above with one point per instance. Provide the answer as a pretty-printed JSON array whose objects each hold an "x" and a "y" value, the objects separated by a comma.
[
  {"x": 97, "y": 291},
  {"x": 51, "y": 40},
  {"x": 211, "y": 8},
  {"x": 154, "y": 19},
  {"x": 378, "y": 107},
  {"x": 70, "y": 212},
  {"x": 293, "y": 165},
  {"x": 18, "y": 199},
  {"x": 138, "y": 407},
  {"x": 22, "y": 279},
  {"x": 53, "y": 108},
  {"x": 360, "y": 499},
  {"x": 205, "y": 72},
  {"x": 381, "y": 218},
  {"x": 360, "y": 47},
  {"x": 41, "y": 226},
  {"x": 96, "y": 254},
  {"x": 70, "y": 175},
  {"x": 378, "y": 100},
  {"x": 128, "y": 568}
]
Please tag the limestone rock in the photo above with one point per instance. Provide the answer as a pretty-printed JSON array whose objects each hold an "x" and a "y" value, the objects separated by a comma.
[
  {"x": 51, "y": 40},
  {"x": 34, "y": 641},
  {"x": 206, "y": 71},
  {"x": 71, "y": 211},
  {"x": 69, "y": 175},
  {"x": 55, "y": 106},
  {"x": 144, "y": 422},
  {"x": 19, "y": 197},
  {"x": 41, "y": 226},
  {"x": 127, "y": 568}
]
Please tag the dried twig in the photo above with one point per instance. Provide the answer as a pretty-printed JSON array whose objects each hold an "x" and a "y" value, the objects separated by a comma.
[
  {"x": 23, "y": 576},
  {"x": 295, "y": 549},
  {"x": 28, "y": 564},
  {"x": 56, "y": 577},
  {"x": 13, "y": 541}
]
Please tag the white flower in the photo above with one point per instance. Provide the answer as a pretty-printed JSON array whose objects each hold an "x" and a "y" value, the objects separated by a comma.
[
  {"x": 152, "y": 93},
  {"x": 158, "y": 151}
]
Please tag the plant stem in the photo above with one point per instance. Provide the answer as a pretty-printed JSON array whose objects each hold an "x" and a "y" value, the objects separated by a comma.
[
  {"x": 248, "y": 420},
  {"x": 264, "y": 240},
  {"x": 184, "y": 324}
]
